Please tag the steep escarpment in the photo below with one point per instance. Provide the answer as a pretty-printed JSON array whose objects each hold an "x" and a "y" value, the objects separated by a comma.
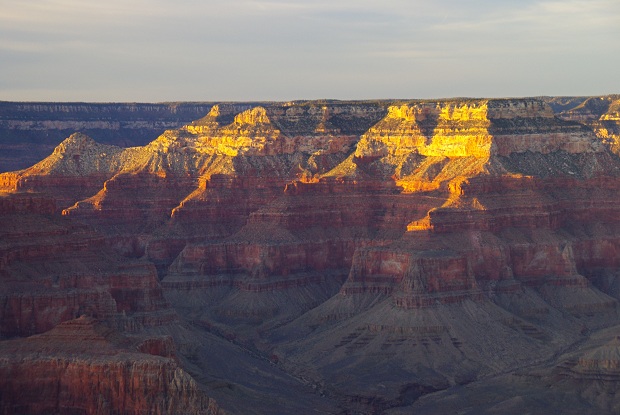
[
  {"x": 608, "y": 126},
  {"x": 54, "y": 270},
  {"x": 374, "y": 251},
  {"x": 224, "y": 166},
  {"x": 82, "y": 366},
  {"x": 601, "y": 114}
]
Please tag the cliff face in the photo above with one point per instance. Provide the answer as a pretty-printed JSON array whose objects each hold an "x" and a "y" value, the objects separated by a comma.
[
  {"x": 82, "y": 366},
  {"x": 54, "y": 270},
  {"x": 601, "y": 114},
  {"x": 415, "y": 245}
]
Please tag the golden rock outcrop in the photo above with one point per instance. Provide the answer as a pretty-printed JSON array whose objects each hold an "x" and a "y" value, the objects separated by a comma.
[{"x": 432, "y": 130}]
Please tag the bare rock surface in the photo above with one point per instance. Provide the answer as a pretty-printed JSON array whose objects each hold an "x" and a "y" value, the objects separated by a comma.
[{"x": 82, "y": 366}]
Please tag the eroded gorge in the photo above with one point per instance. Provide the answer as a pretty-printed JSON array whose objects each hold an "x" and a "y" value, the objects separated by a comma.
[{"x": 320, "y": 256}]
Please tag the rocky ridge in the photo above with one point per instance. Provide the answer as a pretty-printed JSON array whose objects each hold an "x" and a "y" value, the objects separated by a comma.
[{"x": 29, "y": 131}]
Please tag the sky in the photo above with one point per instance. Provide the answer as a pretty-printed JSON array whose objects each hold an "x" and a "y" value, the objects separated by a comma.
[{"x": 242, "y": 50}]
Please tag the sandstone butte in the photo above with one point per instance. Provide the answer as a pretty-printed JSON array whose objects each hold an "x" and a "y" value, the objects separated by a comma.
[{"x": 338, "y": 257}]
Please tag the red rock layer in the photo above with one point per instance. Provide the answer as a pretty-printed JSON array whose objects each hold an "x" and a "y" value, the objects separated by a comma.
[
  {"x": 534, "y": 232},
  {"x": 135, "y": 201},
  {"x": 52, "y": 270},
  {"x": 84, "y": 367}
]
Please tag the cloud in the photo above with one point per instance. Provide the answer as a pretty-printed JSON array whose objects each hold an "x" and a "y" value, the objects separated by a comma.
[
  {"x": 543, "y": 16},
  {"x": 281, "y": 49}
]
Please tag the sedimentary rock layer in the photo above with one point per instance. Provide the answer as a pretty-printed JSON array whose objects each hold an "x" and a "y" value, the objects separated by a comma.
[{"x": 82, "y": 366}]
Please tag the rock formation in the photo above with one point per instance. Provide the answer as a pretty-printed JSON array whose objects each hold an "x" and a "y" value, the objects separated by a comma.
[
  {"x": 29, "y": 131},
  {"x": 81, "y": 366},
  {"x": 377, "y": 252}
]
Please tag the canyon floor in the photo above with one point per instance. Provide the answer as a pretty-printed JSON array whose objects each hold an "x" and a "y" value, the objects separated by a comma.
[{"x": 366, "y": 257}]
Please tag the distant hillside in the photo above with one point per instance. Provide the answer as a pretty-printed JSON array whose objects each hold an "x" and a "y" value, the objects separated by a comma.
[{"x": 29, "y": 131}]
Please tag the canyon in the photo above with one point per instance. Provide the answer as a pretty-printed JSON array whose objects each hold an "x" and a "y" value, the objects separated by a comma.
[{"x": 345, "y": 257}]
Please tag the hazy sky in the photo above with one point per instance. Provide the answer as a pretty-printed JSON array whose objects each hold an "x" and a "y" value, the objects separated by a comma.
[{"x": 205, "y": 50}]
